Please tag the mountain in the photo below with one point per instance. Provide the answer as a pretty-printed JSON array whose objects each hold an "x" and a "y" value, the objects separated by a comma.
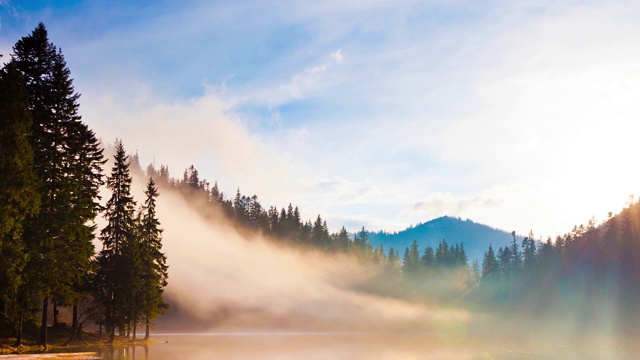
[{"x": 475, "y": 237}]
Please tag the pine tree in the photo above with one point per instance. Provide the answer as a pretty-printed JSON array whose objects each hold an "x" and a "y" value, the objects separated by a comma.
[
  {"x": 274, "y": 221},
  {"x": 191, "y": 179},
  {"x": 529, "y": 253},
  {"x": 411, "y": 260},
  {"x": 462, "y": 259},
  {"x": 67, "y": 159},
  {"x": 516, "y": 256},
  {"x": 428, "y": 257},
  {"x": 443, "y": 255},
  {"x": 18, "y": 196},
  {"x": 241, "y": 208},
  {"x": 254, "y": 212},
  {"x": 379, "y": 256},
  {"x": 490, "y": 266},
  {"x": 154, "y": 272},
  {"x": 361, "y": 241},
  {"x": 116, "y": 237},
  {"x": 342, "y": 240},
  {"x": 320, "y": 233},
  {"x": 393, "y": 261}
]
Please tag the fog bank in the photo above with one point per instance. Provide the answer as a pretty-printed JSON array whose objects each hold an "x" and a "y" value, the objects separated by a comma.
[{"x": 221, "y": 281}]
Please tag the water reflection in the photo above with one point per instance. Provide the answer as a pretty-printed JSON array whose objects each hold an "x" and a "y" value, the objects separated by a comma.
[
  {"x": 124, "y": 352},
  {"x": 317, "y": 346},
  {"x": 320, "y": 346}
]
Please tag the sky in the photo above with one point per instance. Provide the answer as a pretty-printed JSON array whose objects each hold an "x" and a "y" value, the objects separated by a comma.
[{"x": 518, "y": 114}]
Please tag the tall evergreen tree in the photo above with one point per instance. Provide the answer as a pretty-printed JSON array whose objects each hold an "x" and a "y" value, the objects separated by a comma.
[
  {"x": 428, "y": 257},
  {"x": 411, "y": 260},
  {"x": 393, "y": 261},
  {"x": 154, "y": 272},
  {"x": 443, "y": 255},
  {"x": 116, "y": 236},
  {"x": 18, "y": 196},
  {"x": 254, "y": 212},
  {"x": 379, "y": 256},
  {"x": 320, "y": 233},
  {"x": 342, "y": 240},
  {"x": 67, "y": 159},
  {"x": 462, "y": 259},
  {"x": 490, "y": 266}
]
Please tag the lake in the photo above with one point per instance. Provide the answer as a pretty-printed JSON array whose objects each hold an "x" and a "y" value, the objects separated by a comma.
[
  {"x": 285, "y": 346},
  {"x": 331, "y": 346}
]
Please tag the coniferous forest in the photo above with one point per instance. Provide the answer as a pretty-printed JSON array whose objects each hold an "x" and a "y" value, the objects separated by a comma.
[
  {"x": 53, "y": 166},
  {"x": 51, "y": 174}
]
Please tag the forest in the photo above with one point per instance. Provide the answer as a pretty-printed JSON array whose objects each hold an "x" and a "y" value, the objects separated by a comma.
[
  {"x": 51, "y": 174},
  {"x": 50, "y": 179}
]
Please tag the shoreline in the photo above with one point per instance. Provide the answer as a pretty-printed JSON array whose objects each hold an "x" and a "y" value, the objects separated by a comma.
[{"x": 7, "y": 346}]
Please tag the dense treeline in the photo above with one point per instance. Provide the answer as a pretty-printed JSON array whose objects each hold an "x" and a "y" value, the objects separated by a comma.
[
  {"x": 589, "y": 276},
  {"x": 51, "y": 172}
]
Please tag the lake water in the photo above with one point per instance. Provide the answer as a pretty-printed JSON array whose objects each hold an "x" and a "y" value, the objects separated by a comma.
[
  {"x": 285, "y": 346},
  {"x": 332, "y": 346}
]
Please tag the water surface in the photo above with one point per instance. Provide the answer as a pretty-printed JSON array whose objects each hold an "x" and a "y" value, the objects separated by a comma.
[
  {"x": 316, "y": 346},
  {"x": 332, "y": 346}
]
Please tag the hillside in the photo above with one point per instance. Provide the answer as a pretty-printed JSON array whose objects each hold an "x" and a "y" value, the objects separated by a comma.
[{"x": 475, "y": 237}]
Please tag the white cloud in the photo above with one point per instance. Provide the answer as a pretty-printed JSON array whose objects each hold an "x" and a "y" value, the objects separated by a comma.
[
  {"x": 440, "y": 204},
  {"x": 303, "y": 82},
  {"x": 533, "y": 105},
  {"x": 338, "y": 57},
  {"x": 197, "y": 132}
]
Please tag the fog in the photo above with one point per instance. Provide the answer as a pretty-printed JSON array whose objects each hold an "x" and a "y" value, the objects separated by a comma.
[{"x": 221, "y": 281}]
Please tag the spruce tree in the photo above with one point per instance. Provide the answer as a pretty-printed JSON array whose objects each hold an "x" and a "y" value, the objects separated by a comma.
[
  {"x": 342, "y": 240},
  {"x": 18, "y": 196},
  {"x": 154, "y": 272},
  {"x": 490, "y": 266},
  {"x": 443, "y": 254},
  {"x": 428, "y": 257},
  {"x": 320, "y": 233},
  {"x": 411, "y": 260},
  {"x": 117, "y": 237},
  {"x": 67, "y": 159},
  {"x": 393, "y": 261}
]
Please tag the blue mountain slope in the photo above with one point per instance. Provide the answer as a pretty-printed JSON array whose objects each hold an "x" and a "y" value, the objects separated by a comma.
[{"x": 475, "y": 237}]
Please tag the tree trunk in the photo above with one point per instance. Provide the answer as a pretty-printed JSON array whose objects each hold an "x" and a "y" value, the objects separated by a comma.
[
  {"x": 111, "y": 321},
  {"x": 19, "y": 330},
  {"x": 55, "y": 314},
  {"x": 112, "y": 333},
  {"x": 74, "y": 321},
  {"x": 146, "y": 330},
  {"x": 135, "y": 326},
  {"x": 43, "y": 326}
]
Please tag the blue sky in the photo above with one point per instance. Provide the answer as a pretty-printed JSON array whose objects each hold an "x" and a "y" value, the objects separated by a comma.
[{"x": 522, "y": 115}]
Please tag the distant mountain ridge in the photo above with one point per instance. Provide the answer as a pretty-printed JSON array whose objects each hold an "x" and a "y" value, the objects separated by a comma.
[{"x": 475, "y": 237}]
